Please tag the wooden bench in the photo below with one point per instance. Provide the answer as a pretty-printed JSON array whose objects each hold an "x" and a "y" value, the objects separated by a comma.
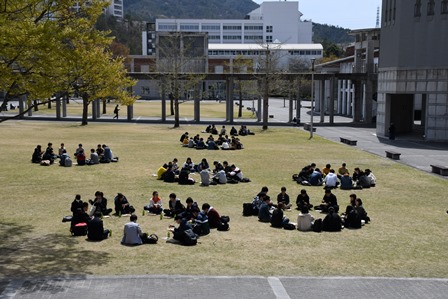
[
  {"x": 393, "y": 155},
  {"x": 348, "y": 141},
  {"x": 307, "y": 127},
  {"x": 442, "y": 170}
]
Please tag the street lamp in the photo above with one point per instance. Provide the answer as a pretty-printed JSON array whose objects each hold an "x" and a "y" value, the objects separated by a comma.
[{"x": 312, "y": 96}]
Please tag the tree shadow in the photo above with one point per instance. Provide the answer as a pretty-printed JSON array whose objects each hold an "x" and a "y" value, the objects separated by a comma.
[{"x": 23, "y": 255}]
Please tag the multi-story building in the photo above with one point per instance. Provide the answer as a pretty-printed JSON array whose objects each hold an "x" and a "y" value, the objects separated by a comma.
[
  {"x": 272, "y": 22},
  {"x": 115, "y": 8},
  {"x": 413, "y": 69}
]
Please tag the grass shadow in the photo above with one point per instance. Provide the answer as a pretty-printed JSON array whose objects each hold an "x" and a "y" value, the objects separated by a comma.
[{"x": 23, "y": 254}]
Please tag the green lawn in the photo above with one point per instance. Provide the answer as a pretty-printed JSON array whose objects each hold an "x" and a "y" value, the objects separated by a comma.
[{"x": 406, "y": 238}]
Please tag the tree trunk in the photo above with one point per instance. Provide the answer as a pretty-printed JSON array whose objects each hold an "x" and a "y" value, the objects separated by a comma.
[
  {"x": 172, "y": 106},
  {"x": 49, "y": 103},
  {"x": 36, "y": 107},
  {"x": 85, "y": 109}
]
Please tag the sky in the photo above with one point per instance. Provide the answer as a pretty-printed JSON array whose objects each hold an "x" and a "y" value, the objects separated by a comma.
[{"x": 351, "y": 14}]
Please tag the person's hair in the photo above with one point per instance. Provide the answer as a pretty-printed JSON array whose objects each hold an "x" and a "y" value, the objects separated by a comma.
[
  {"x": 189, "y": 200},
  {"x": 77, "y": 196},
  {"x": 265, "y": 189},
  {"x": 175, "y": 160},
  {"x": 92, "y": 150},
  {"x": 328, "y": 166},
  {"x": 85, "y": 204},
  {"x": 313, "y": 164},
  {"x": 173, "y": 195},
  {"x": 80, "y": 144},
  {"x": 283, "y": 189},
  {"x": 304, "y": 210},
  {"x": 331, "y": 210},
  {"x": 267, "y": 197},
  {"x": 134, "y": 217},
  {"x": 225, "y": 162},
  {"x": 97, "y": 193},
  {"x": 205, "y": 206},
  {"x": 353, "y": 195},
  {"x": 332, "y": 170},
  {"x": 280, "y": 205},
  {"x": 343, "y": 164},
  {"x": 50, "y": 144},
  {"x": 327, "y": 190},
  {"x": 303, "y": 191},
  {"x": 154, "y": 193},
  {"x": 359, "y": 201}
]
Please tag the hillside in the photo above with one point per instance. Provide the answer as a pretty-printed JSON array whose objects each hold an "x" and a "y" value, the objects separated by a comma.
[
  {"x": 330, "y": 33},
  {"x": 149, "y": 10}
]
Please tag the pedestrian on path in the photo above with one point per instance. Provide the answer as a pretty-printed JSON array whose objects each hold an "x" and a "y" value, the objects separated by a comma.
[{"x": 116, "y": 112}]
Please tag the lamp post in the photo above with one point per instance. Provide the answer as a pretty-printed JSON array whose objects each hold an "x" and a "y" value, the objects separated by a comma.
[{"x": 312, "y": 97}]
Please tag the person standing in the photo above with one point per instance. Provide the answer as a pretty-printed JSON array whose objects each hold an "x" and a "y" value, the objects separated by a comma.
[
  {"x": 392, "y": 131},
  {"x": 116, "y": 110}
]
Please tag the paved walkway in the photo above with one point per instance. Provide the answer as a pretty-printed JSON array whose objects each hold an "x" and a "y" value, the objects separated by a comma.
[{"x": 205, "y": 287}]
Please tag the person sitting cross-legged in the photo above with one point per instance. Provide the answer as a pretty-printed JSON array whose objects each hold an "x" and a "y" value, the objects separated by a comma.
[
  {"x": 122, "y": 205},
  {"x": 305, "y": 220},
  {"x": 95, "y": 229}
]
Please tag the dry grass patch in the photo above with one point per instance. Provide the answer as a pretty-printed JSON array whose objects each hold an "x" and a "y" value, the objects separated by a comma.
[{"x": 407, "y": 236}]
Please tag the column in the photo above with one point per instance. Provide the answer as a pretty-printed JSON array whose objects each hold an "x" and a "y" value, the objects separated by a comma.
[
  {"x": 322, "y": 101},
  {"x": 163, "y": 102},
  {"x": 64, "y": 105},
  {"x": 130, "y": 112},
  {"x": 357, "y": 101},
  {"x": 58, "y": 107},
  {"x": 333, "y": 90}
]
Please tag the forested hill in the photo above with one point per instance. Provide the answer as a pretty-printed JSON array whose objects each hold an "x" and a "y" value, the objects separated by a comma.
[
  {"x": 333, "y": 34},
  {"x": 149, "y": 10}
]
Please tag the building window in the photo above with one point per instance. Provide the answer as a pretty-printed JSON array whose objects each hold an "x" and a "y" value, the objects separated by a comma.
[
  {"x": 418, "y": 8},
  {"x": 211, "y": 27},
  {"x": 431, "y": 4},
  {"x": 269, "y": 29},
  {"x": 253, "y": 27},
  {"x": 231, "y": 27},
  {"x": 444, "y": 7},
  {"x": 269, "y": 38},
  {"x": 169, "y": 27}
]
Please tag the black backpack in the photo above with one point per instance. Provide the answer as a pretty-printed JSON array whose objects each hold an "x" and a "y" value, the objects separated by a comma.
[
  {"x": 289, "y": 226},
  {"x": 223, "y": 226},
  {"x": 317, "y": 226},
  {"x": 248, "y": 209},
  {"x": 189, "y": 238}
]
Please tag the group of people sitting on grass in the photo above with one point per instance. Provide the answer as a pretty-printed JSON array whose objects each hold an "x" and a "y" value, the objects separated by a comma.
[
  {"x": 102, "y": 154},
  {"x": 188, "y": 216},
  {"x": 224, "y": 173},
  {"x": 310, "y": 175},
  {"x": 267, "y": 211},
  {"x": 223, "y": 142}
]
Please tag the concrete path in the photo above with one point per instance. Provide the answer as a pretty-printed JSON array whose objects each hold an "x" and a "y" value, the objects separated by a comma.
[{"x": 205, "y": 287}]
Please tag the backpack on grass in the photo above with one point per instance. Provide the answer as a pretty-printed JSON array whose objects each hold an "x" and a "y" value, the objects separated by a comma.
[
  {"x": 189, "y": 238},
  {"x": 317, "y": 226},
  {"x": 80, "y": 229}
]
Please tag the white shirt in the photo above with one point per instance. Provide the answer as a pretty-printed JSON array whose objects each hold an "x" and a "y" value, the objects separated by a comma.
[
  {"x": 331, "y": 180},
  {"x": 132, "y": 232}
]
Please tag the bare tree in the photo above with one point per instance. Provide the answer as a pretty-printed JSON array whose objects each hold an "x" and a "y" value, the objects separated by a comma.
[{"x": 182, "y": 57}]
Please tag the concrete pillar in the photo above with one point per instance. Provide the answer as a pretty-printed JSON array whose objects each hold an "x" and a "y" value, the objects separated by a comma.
[
  {"x": 322, "y": 101},
  {"x": 98, "y": 108},
  {"x": 64, "y": 106},
  {"x": 94, "y": 110},
  {"x": 298, "y": 104},
  {"x": 197, "y": 103},
  {"x": 339, "y": 97},
  {"x": 229, "y": 100},
  {"x": 22, "y": 101},
  {"x": 357, "y": 101},
  {"x": 163, "y": 103},
  {"x": 344, "y": 97},
  {"x": 368, "y": 101},
  {"x": 130, "y": 112},
  {"x": 58, "y": 108},
  {"x": 333, "y": 91}
]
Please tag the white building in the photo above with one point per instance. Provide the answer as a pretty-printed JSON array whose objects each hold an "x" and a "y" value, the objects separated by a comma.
[
  {"x": 115, "y": 8},
  {"x": 273, "y": 21}
]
